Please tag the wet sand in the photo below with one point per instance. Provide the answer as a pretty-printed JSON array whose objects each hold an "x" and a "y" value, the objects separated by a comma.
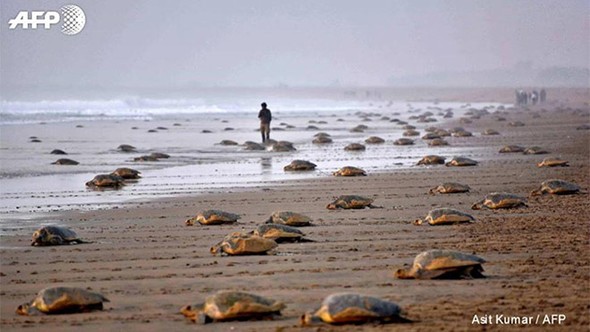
[{"x": 149, "y": 264}]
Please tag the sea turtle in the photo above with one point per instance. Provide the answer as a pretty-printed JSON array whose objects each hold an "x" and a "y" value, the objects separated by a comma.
[
  {"x": 351, "y": 202},
  {"x": 280, "y": 233},
  {"x": 411, "y": 132},
  {"x": 461, "y": 161},
  {"x": 535, "y": 150},
  {"x": 321, "y": 134},
  {"x": 282, "y": 146},
  {"x": 106, "y": 181},
  {"x": 228, "y": 142},
  {"x": 374, "y": 140},
  {"x": 556, "y": 187},
  {"x": 355, "y": 147},
  {"x": 445, "y": 216},
  {"x": 428, "y": 136},
  {"x": 61, "y": 300},
  {"x": 213, "y": 217},
  {"x": 408, "y": 127},
  {"x": 243, "y": 244},
  {"x": 54, "y": 236},
  {"x": 490, "y": 132},
  {"x": 442, "y": 133},
  {"x": 553, "y": 162},
  {"x": 300, "y": 165},
  {"x": 127, "y": 173},
  {"x": 462, "y": 133},
  {"x": 127, "y": 148},
  {"x": 403, "y": 141},
  {"x": 443, "y": 264},
  {"x": 229, "y": 305},
  {"x": 253, "y": 146},
  {"x": 438, "y": 142},
  {"x": 65, "y": 161},
  {"x": 322, "y": 140},
  {"x": 431, "y": 160},
  {"x": 160, "y": 155},
  {"x": 450, "y": 188},
  {"x": 145, "y": 158},
  {"x": 350, "y": 171},
  {"x": 516, "y": 124},
  {"x": 511, "y": 149},
  {"x": 350, "y": 308},
  {"x": 289, "y": 218},
  {"x": 500, "y": 200},
  {"x": 57, "y": 151}
]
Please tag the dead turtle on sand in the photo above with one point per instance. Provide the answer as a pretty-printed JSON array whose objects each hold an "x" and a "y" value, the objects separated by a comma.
[
  {"x": 553, "y": 162},
  {"x": 127, "y": 148},
  {"x": 289, "y": 218},
  {"x": 243, "y": 244},
  {"x": 431, "y": 160},
  {"x": 500, "y": 200},
  {"x": 228, "y": 305},
  {"x": 445, "y": 216},
  {"x": 351, "y": 202},
  {"x": 350, "y": 171},
  {"x": 280, "y": 233},
  {"x": 62, "y": 300},
  {"x": 300, "y": 165},
  {"x": 535, "y": 150},
  {"x": 443, "y": 264},
  {"x": 349, "y": 308},
  {"x": 106, "y": 181},
  {"x": 511, "y": 149},
  {"x": 450, "y": 188},
  {"x": 65, "y": 161},
  {"x": 355, "y": 147},
  {"x": 213, "y": 217},
  {"x": 54, "y": 236},
  {"x": 556, "y": 187},
  {"x": 461, "y": 161},
  {"x": 403, "y": 141},
  {"x": 127, "y": 173},
  {"x": 374, "y": 140}
]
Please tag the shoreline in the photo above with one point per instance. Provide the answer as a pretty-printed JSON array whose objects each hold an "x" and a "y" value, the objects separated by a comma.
[{"x": 149, "y": 264}]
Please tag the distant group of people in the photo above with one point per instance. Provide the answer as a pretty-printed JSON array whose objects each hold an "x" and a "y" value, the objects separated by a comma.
[{"x": 533, "y": 97}]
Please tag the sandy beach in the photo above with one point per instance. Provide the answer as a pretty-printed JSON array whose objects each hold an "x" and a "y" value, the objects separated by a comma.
[{"x": 149, "y": 264}]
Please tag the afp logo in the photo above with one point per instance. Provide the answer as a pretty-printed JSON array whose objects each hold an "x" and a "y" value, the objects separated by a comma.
[{"x": 72, "y": 19}]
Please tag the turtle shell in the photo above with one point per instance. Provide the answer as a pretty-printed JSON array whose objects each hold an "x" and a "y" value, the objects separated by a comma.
[
  {"x": 450, "y": 188},
  {"x": 349, "y": 308},
  {"x": 213, "y": 217},
  {"x": 58, "y": 300},
  {"x": 431, "y": 160},
  {"x": 126, "y": 148},
  {"x": 462, "y": 133},
  {"x": 65, "y": 161},
  {"x": 350, "y": 202},
  {"x": 374, "y": 140},
  {"x": 410, "y": 133},
  {"x": 355, "y": 147},
  {"x": 58, "y": 151},
  {"x": 461, "y": 161},
  {"x": 438, "y": 142},
  {"x": 106, "y": 181},
  {"x": 282, "y": 146},
  {"x": 244, "y": 244},
  {"x": 279, "y": 233},
  {"x": 447, "y": 216},
  {"x": 253, "y": 146},
  {"x": 300, "y": 165},
  {"x": 535, "y": 150},
  {"x": 553, "y": 162},
  {"x": 228, "y": 142},
  {"x": 557, "y": 187},
  {"x": 289, "y": 218},
  {"x": 322, "y": 140},
  {"x": 54, "y": 235},
  {"x": 443, "y": 264},
  {"x": 228, "y": 305},
  {"x": 350, "y": 171},
  {"x": 490, "y": 132},
  {"x": 428, "y": 136},
  {"x": 511, "y": 149},
  {"x": 403, "y": 141},
  {"x": 500, "y": 200},
  {"x": 127, "y": 173}
]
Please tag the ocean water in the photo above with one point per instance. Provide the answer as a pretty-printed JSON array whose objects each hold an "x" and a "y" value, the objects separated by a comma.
[{"x": 90, "y": 132}]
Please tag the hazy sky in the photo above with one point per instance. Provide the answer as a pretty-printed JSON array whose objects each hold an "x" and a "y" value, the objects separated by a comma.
[{"x": 298, "y": 42}]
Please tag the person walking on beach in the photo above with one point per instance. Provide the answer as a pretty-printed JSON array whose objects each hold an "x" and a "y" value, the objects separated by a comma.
[{"x": 265, "y": 117}]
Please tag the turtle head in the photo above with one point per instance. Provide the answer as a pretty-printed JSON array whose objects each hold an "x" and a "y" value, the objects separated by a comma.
[
  {"x": 477, "y": 205},
  {"x": 537, "y": 192},
  {"x": 195, "y": 313},
  {"x": 309, "y": 318},
  {"x": 39, "y": 237},
  {"x": 190, "y": 222},
  {"x": 403, "y": 274},
  {"x": 331, "y": 206},
  {"x": 217, "y": 249},
  {"x": 418, "y": 222},
  {"x": 26, "y": 309}
]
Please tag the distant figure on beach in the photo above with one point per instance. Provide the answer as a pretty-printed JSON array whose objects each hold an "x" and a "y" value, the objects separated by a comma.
[
  {"x": 534, "y": 97},
  {"x": 542, "y": 96},
  {"x": 265, "y": 117}
]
